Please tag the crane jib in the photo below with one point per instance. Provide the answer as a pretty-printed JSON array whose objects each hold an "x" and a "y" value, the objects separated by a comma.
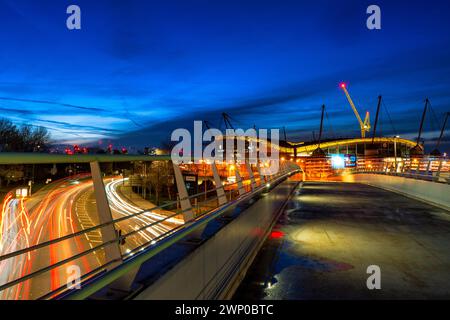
[{"x": 364, "y": 125}]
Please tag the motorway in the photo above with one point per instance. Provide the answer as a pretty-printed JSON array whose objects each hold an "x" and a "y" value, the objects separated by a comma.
[
  {"x": 330, "y": 233},
  {"x": 61, "y": 208}
]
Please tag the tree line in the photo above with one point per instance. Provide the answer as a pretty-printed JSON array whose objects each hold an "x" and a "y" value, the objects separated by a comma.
[{"x": 25, "y": 138}]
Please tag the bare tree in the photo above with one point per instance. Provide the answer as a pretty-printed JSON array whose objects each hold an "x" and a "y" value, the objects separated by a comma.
[{"x": 26, "y": 138}]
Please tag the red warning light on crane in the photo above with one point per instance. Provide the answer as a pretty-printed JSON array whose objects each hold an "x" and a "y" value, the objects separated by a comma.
[{"x": 342, "y": 85}]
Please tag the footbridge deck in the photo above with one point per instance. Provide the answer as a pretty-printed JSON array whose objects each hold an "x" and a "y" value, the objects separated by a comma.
[{"x": 331, "y": 232}]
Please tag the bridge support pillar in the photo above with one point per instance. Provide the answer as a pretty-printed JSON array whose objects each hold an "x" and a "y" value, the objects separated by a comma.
[
  {"x": 250, "y": 173},
  {"x": 282, "y": 166},
  {"x": 186, "y": 207},
  {"x": 222, "y": 198},
  {"x": 185, "y": 202},
  {"x": 239, "y": 181},
  {"x": 109, "y": 233},
  {"x": 262, "y": 179}
]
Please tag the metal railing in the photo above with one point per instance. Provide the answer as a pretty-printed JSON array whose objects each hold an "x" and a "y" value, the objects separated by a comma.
[
  {"x": 434, "y": 169},
  {"x": 167, "y": 241},
  {"x": 204, "y": 212},
  {"x": 430, "y": 168}
]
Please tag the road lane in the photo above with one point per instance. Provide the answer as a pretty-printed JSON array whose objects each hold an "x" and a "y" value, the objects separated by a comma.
[
  {"x": 120, "y": 207},
  {"x": 61, "y": 208}
]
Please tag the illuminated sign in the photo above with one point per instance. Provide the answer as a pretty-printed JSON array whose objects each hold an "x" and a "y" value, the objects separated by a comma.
[
  {"x": 337, "y": 161},
  {"x": 342, "y": 161},
  {"x": 350, "y": 160},
  {"x": 21, "y": 193}
]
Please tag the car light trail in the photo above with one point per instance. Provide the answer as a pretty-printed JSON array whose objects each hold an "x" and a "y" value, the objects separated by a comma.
[
  {"x": 121, "y": 206},
  {"x": 53, "y": 212}
]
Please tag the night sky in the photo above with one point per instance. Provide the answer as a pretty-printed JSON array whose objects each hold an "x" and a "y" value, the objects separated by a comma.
[{"x": 138, "y": 69}]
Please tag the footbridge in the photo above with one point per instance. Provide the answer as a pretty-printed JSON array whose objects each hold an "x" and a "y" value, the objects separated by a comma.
[{"x": 140, "y": 227}]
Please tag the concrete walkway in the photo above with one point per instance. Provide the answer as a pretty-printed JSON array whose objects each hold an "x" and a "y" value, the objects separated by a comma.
[{"x": 331, "y": 232}]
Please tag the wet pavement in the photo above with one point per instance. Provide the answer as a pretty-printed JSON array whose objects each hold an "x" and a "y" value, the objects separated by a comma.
[{"x": 330, "y": 233}]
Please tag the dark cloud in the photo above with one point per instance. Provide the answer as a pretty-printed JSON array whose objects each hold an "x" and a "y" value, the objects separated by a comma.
[
  {"x": 87, "y": 128},
  {"x": 53, "y": 103},
  {"x": 16, "y": 111}
]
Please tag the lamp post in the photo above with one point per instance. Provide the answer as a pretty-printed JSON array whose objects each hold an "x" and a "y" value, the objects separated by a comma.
[{"x": 30, "y": 184}]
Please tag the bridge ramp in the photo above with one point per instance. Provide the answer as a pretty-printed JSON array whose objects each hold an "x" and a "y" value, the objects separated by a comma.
[{"x": 331, "y": 232}]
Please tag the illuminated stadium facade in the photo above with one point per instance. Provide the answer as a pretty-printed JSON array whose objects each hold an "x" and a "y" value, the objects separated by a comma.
[
  {"x": 374, "y": 147},
  {"x": 380, "y": 146}
]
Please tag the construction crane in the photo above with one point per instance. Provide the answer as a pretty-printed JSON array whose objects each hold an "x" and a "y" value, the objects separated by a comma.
[{"x": 365, "y": 126}]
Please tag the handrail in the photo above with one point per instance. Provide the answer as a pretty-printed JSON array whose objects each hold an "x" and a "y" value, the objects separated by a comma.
[
  {"x": 410, "y": 175},
  {"x": 45, "y": 158},
  {"x": 53, "y": 158}
]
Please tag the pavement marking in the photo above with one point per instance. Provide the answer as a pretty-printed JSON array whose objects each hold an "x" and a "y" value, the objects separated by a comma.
[{"x": 86, "y": 222}]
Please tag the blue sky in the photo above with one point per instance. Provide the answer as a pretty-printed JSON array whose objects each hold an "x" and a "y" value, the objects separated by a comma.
[{"x": 138, "y": 69}]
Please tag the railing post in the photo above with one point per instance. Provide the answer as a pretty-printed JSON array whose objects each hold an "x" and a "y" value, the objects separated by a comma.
[
  {"x": 281, "y": 169},
  {"x": 112, "y": 252},
  {"x": 418, "y": 169},
  {"x": 438, "y": 173},
  {"x": 261, "y": 178},
  {"x": 239, "y": 181},
  {"x": 185, "y": 202},
  {"x": 250, "y": 173},
  {"x": 222, "y": 198},
  {"x": 409, "y": 171},
  {"x": 428, "y": 167}
]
